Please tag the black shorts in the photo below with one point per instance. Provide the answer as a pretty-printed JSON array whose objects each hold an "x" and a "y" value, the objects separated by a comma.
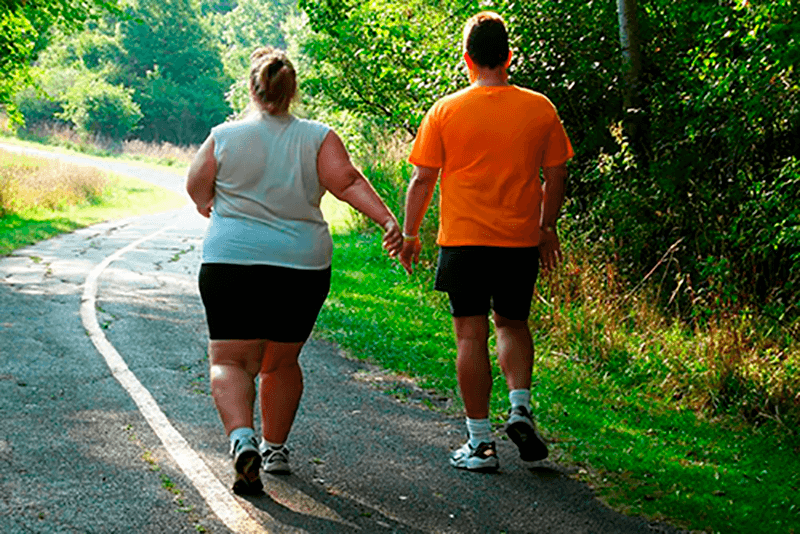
[
  {"x": 478, "y": 279},
  {"x": 262, "y": 301}
]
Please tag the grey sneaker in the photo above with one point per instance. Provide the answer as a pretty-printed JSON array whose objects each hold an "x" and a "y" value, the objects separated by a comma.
[
  {"x": 481, "y": 458},
  {"x": 522, "y": 431},
  {"x": 246, "y": 463},
  {"x": 276, "y": 461}
]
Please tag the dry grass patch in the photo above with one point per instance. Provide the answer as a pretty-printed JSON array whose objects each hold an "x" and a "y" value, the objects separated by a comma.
[
  {"x": 28, "y": 183},
  {"x": 734, "y": 363}
]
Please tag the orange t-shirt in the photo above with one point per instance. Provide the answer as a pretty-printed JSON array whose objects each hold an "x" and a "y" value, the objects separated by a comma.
[{"x": 490, "y": 143}]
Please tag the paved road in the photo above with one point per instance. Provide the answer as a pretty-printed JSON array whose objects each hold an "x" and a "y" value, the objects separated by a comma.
[{"x": 107, "y": 423}]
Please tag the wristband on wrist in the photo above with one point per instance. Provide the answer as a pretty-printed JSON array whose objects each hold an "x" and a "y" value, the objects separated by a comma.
[{"x": 409, "y": 237}]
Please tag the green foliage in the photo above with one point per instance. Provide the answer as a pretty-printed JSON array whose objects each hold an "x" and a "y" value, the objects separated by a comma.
[
  {"x": 99, "y": 108},
  {"x": 175, "y": 69},
  {"x": 724, "y": 112},
  {"x": 156, "y": 67},
  {"x": 249, "y": 25},
  {"x": 24, "y": 28},
  {"x": 383, "y": 59},
  {"x": 710, "y": 207}
]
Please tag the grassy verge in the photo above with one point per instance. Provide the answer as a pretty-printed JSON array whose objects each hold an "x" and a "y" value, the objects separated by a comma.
[
  {"x": 41, "y": 198},
  {"x": 650, "y": 415},
  {"x": 644, "y": 454}
]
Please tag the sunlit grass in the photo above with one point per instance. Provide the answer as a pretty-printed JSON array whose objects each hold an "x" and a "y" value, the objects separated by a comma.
[
  {"x": 41, "y": 198},
  {"x": 615, "y": 418},
  {"x": 695, "y": 424}
]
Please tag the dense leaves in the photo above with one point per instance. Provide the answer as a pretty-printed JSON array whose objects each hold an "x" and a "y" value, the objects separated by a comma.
[
  {"x": 706, "y": 202},
  {"x": 709, "y": 204},
  {"x": 157, "y": 63},
  {"x": 24, "y": 26}
]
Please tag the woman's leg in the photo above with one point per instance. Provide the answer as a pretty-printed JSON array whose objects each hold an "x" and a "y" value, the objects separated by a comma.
[
  {"x": 280, "y": 388},
  {"x": 234, "y": 366}
]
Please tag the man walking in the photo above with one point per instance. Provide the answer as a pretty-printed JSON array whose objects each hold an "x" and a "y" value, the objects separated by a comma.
[{"x": 497, "y": 225}]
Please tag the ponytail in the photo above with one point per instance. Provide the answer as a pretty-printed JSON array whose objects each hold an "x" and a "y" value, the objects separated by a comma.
[{"x": 273, "y": 82}]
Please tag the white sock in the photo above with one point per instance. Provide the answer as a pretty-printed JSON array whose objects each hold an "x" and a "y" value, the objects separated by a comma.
[
  {"x": 271, "y": 445},
  {"x": 480, "y": 431},
  {"x": 520, "y": 397},
  {"x": 241, "y": 432}
]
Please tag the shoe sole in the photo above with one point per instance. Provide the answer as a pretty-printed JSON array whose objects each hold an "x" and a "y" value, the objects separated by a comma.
[
  {"x": 480, "y": 469},
  {"x": 247, "y": 481},
  {"x": 532, "y": 447},
  {"x": 277, "y": 469},
  {"x": 480, "y": 466}
]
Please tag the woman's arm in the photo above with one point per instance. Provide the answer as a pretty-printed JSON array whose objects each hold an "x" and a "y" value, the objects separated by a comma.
[
  {"x": 201, "y": 176},
  {"x": 338, "y": 175}
]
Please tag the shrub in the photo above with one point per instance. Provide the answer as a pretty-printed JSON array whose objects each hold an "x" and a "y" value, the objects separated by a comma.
[{"x": 97, "y": 107}]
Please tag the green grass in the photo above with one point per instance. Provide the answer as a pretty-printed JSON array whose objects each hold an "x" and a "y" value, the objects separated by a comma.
[
  {"x": 642, "y": 453},
  {"x": 630, "y": 401},
  {"x": 23, "y": 224}
]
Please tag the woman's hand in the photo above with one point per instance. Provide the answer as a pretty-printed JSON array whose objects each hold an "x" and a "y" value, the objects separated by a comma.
[
  {"x": 205, "y": 211},
  {"x": 392, "y": 237}
]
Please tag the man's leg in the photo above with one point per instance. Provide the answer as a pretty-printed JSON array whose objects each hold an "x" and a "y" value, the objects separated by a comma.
[
  {"x": 514, "y": 351},
  {"x": 473, "y": 369},
  {"x": 475, "y": 382},
  {"x": 515, "y": 354}
]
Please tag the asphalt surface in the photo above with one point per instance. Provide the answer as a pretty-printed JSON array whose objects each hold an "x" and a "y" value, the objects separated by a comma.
[{"x": 78, "y": 453}]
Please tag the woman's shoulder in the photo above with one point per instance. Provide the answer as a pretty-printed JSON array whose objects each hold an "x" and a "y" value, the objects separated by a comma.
[
  {"x": 311, "y": 124},
  {"x": 243, "y": 123}
]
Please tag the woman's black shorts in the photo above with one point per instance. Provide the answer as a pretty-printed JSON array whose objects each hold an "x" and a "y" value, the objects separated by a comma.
[
  {"x": 262, "y": 301},
  {"x": 481, "y": 278}
]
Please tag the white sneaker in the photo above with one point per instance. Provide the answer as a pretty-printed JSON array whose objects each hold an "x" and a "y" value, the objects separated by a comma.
[
  {"x": 481, "y": 458},
  {"x": 276, "y": 461}
]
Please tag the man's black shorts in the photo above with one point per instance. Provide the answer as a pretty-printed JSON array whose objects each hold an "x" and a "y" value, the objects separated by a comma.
[
  {"x": 481, "y": 278},
  {"x": 262, "y": 301}
]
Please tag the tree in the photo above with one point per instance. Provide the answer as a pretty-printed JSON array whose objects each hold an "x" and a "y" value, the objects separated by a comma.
[
  {"x": 23, "y": 34},
  {"x": 249, "y": 25},
  {"x": 633, "y": 106},
  {"x": 175, "y": 69},
  {"x": 384, "y": 59}
]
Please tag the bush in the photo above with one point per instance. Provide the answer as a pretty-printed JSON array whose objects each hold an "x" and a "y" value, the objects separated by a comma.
[{"x": 97, "y": 107}]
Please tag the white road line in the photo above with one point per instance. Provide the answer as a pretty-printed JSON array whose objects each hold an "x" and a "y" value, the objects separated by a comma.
[{"x": 219, "y": 499}]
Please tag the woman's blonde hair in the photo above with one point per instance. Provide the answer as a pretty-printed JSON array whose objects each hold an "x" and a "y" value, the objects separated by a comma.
[{"x": 273, "y": 81}]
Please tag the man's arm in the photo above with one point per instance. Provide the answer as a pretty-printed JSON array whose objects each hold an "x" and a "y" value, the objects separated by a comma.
[
  {"x": 549, "y": 245},
  {"x": 418, "y": 198}
]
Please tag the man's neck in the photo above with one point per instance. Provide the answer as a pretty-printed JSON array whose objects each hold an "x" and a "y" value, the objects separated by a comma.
[{"x": 486, "y": 77}]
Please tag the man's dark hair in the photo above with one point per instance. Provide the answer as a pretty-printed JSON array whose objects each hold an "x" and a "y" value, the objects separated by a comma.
[{"x": 486, "y": 39}]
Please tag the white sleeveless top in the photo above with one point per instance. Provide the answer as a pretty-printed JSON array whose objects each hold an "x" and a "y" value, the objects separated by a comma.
[{"x": 267, "y": 194}]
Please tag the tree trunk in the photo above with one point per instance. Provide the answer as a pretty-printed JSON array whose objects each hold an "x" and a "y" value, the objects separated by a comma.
[{"x": 633, "y": 104}]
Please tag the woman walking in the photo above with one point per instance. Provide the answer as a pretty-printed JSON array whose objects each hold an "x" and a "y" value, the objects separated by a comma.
[{"x": 267, "y": 252}]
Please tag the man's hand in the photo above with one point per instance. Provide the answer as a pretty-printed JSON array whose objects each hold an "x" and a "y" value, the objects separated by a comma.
[
  {"x": 409, "y": 255},
  {"x": 549, "y": 250}
]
